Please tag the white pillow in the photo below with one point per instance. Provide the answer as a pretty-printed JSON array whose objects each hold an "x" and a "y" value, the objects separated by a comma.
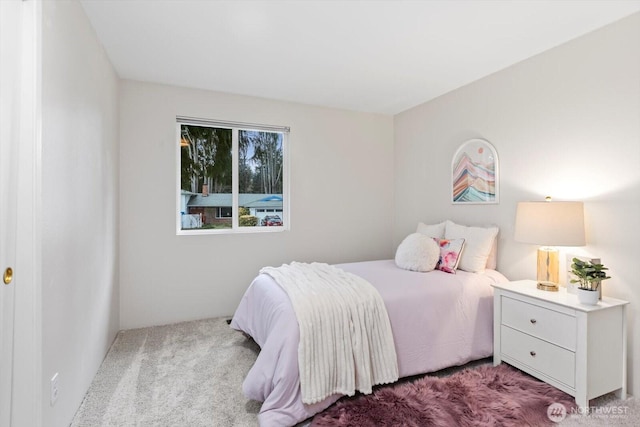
[
  {"x": 418, "y": 252},
  {"x": 433, "y": 230},
  {"x": 492, "y": 261},
  {"x": 478, "y": 244}
]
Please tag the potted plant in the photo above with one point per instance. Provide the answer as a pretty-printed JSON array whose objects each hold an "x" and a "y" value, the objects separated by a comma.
[{"x": 589, "y": 276}]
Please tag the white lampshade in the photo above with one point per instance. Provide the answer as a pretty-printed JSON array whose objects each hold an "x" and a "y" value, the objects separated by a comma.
[{"x": 550, "y": 223}]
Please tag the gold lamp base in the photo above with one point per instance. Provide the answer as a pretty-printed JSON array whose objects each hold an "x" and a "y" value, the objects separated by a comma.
[
  {"x": 547, "y": 286},
  {"x": 548, "y": 269}
]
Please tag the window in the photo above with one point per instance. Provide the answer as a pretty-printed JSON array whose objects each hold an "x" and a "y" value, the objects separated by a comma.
[
  {"x": 224, "y": 212},
  {"x": 232, "y": 177}
]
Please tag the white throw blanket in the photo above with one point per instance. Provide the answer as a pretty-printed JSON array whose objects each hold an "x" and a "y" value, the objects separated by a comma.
[{"x": 346, "y": 343}]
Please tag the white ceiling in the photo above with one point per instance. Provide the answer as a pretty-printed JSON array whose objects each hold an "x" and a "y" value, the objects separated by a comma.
[{"x": 373, "y": 56}]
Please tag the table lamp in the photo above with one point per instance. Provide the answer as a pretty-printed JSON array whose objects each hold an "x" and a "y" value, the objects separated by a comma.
[{"x": 549, "y": 224}]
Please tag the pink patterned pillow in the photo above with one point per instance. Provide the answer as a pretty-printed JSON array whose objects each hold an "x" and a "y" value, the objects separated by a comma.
[{"x": 450, "y": 250}]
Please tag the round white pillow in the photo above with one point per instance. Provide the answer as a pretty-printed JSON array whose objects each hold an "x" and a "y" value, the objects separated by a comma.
[{"x": 418, "y": 252}]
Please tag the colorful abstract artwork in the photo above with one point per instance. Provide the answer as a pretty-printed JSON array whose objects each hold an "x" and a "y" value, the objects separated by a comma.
[{"x": 474, "y": 173}]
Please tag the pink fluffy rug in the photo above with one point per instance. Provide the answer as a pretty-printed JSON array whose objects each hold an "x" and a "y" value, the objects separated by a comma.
[{"x": 482, "y": 396}]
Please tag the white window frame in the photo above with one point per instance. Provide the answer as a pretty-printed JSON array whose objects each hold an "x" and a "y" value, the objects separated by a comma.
[{"x": 235, "y": 127}]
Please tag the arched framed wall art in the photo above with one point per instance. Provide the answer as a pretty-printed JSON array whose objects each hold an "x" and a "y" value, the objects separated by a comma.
[{"x": 474, "y": 173}]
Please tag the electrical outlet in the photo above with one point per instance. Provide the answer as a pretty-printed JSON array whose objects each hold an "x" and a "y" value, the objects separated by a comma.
[{"x": 55, "y": 388}]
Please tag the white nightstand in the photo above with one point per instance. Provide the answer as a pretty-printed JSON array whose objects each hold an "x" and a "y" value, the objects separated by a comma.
[{"x": 580, "y": 349}]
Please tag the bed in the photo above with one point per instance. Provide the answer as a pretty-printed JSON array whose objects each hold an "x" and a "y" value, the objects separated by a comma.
[{"x": 437, "y": 319}]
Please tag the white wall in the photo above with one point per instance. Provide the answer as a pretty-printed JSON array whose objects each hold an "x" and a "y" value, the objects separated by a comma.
[
  {"x": 565, "y": 123},
  {"x": 80, "y": 301},
  {"x": 341, "y": 201}
]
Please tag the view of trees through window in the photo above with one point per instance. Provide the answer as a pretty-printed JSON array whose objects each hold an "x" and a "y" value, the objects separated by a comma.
[
  {"x": 260, "y": 161},
  {"x": 207, "y": 163},
  {"x": 206, "y": 159}
]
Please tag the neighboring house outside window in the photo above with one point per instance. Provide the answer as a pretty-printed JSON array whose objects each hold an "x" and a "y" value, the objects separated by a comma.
[{"x": 233, "y": 177}]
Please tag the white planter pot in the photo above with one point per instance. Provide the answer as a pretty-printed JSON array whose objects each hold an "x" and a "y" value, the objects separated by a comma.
[{"x": 587, "y": 297}]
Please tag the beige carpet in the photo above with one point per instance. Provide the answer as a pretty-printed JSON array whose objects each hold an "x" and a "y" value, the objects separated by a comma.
[
  {"x": 187, "y": 374},
  {"x": 191, "y": 373}
]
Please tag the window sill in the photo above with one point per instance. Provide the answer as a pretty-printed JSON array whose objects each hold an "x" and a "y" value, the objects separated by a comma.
[{"x": 243, "y": 230}]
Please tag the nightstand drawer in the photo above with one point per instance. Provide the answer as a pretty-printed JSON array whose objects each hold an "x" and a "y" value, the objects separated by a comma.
[
  {"x": 555, "y": 327},
  {"x": 548, "y": 359}
]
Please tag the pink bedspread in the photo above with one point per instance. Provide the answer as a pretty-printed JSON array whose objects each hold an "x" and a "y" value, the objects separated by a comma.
[{"x": 438, "y": 320}]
